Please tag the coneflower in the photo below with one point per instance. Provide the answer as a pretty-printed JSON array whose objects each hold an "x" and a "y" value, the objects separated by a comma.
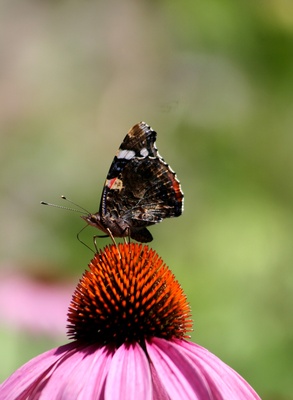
[{"x": 128, "y": 321}]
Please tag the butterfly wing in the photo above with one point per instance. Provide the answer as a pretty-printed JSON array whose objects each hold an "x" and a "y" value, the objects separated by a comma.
[{"x": 140, "y": 189}]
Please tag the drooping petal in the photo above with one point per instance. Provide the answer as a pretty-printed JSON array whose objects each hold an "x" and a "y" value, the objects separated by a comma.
[
  {"x": 182, "y": 379},
  {"x": 80, "y": 376},
  {"x": 219, "y": 375},
  {"x": 24, "y": 380},
  {"x": 129, "y": 377},
  {"x": 91, "y": 375},
  {"x": 159, "y": 391}
]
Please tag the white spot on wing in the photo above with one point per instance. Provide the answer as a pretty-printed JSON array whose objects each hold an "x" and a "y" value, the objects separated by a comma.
[
  {"x": 126, "y": 154},
  {"x": 144, "y": 152}
]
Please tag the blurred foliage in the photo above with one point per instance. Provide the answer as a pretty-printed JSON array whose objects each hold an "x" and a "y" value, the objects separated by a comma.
[{"x": 214, "y": 78}]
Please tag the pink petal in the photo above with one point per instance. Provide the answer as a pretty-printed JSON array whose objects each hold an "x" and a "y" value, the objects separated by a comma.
[
  {"x": 80, "y": 376},
  {"x": 129, "y": 377},
  {"x": 159, "y": 391},
  {"x": 219, "y": 375},
  {"x": 182, "y": 378},
  {"x": 22, "y": 381}
]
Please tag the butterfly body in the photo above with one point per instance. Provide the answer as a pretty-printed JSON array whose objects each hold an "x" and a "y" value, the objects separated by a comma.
[{"x": 140, "y": 190}]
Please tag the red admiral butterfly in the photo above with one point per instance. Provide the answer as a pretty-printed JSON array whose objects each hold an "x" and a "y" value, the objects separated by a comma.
[{"x": 140, "y": 190}]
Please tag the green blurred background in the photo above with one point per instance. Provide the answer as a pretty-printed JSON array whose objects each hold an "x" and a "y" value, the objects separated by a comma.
[{"x": 215, "y": 80}]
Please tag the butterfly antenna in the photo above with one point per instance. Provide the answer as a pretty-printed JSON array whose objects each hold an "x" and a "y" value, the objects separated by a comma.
[
  {"x": 81, "y": 209},
  {"x": 64, "y": 208},
  {"x": 76, "y": 205}
]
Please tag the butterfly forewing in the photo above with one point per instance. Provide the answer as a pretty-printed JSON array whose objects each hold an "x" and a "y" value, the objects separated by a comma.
[{"x": 138, "y": 143}]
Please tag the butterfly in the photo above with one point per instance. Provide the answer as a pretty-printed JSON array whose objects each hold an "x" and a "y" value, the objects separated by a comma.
[{"x": 140, "y": 189}]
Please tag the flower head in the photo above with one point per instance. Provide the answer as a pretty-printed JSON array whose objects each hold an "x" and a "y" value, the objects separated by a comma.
[
  {"x": 128, "y": 298},
  {"x": 129, "y": 320}
]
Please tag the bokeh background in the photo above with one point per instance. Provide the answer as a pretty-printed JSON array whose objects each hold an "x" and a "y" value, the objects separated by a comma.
[{"x": 215, "y": 80}]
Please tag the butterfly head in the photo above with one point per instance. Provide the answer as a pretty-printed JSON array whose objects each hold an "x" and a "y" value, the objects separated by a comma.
[{"x": 93, "y": 220}]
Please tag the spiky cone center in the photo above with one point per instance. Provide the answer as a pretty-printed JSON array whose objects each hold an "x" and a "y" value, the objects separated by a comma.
[{"x": 128, "y": 295}]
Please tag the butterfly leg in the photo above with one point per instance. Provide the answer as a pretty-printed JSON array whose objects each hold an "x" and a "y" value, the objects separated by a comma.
[
  {"x": 126, "y": 237},
  {"x": 81, "y": 241},
  {"x": 95, "y": 241},
  {"x": 114, "y": 241}
]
